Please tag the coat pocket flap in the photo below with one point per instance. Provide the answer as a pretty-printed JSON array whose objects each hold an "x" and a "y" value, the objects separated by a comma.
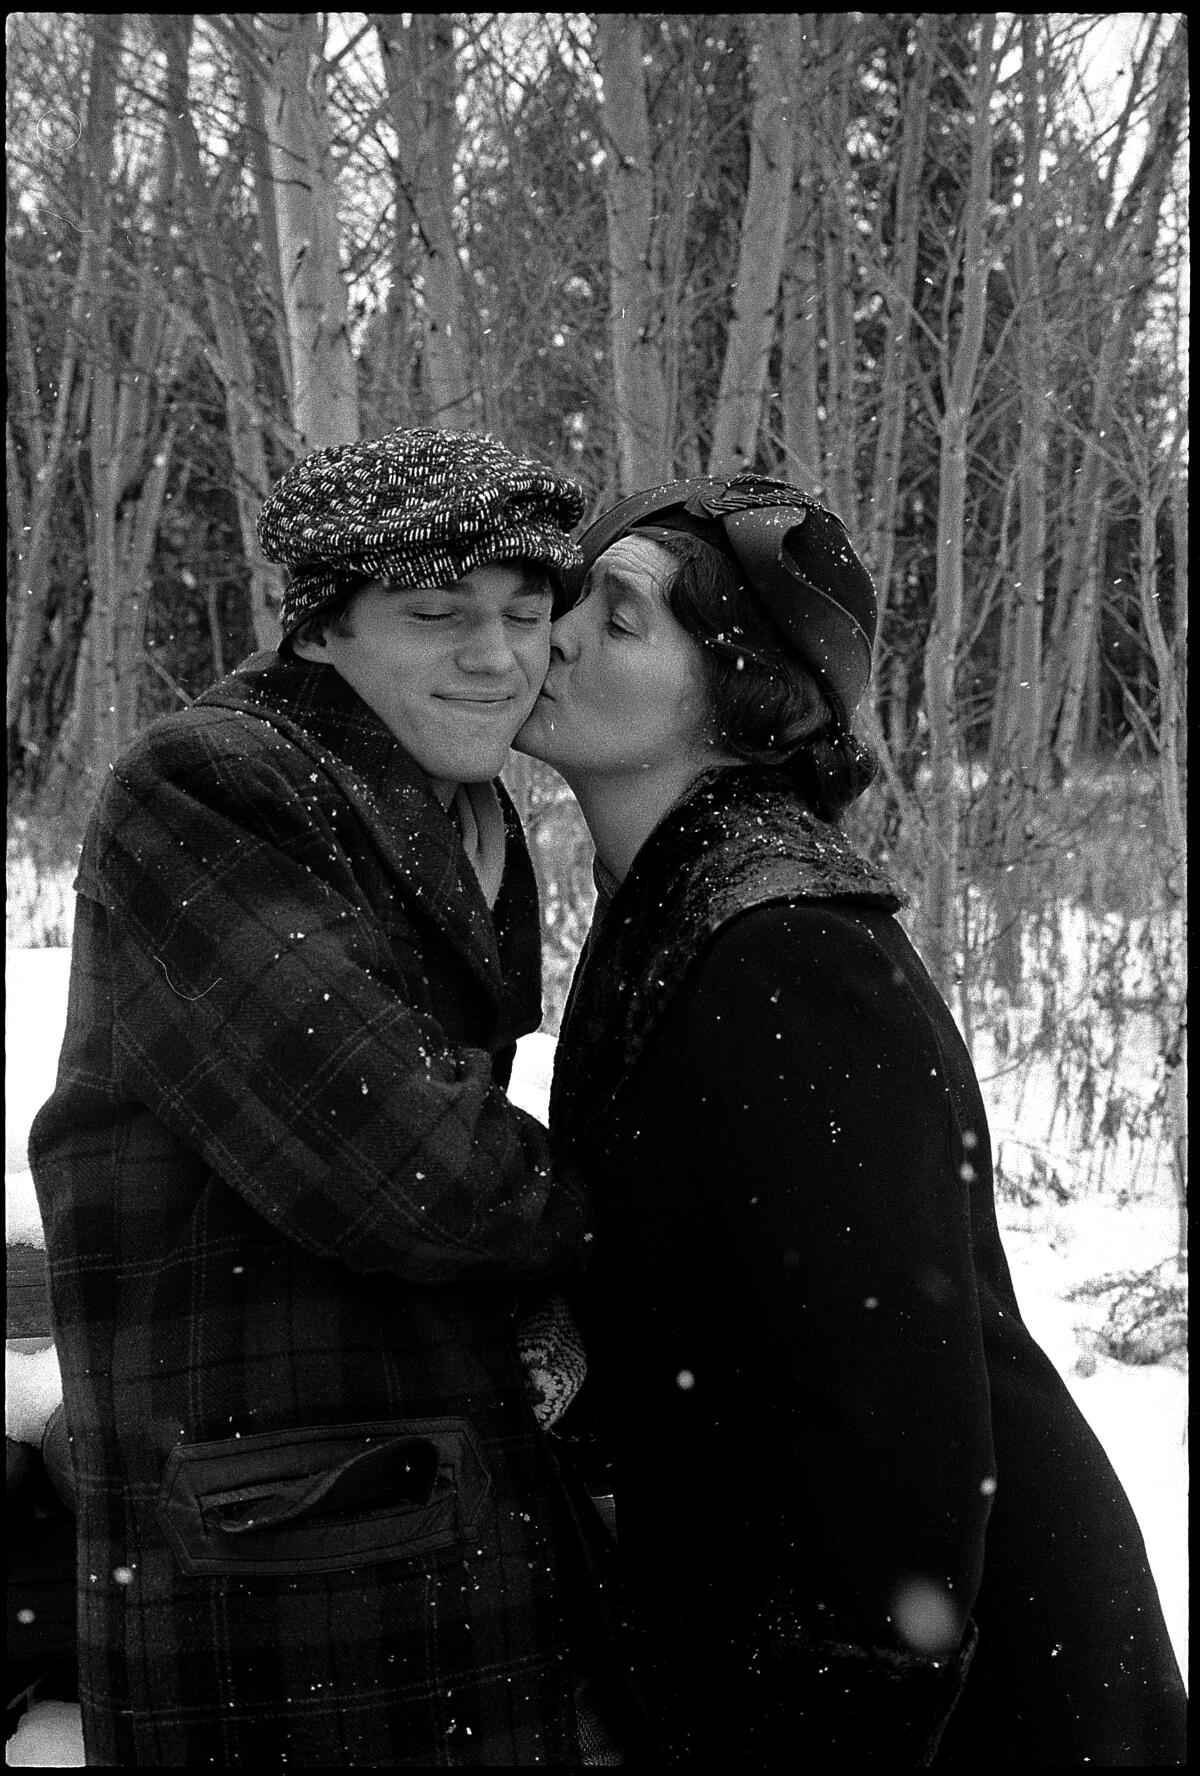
[
  {"x": 392, "y": 1474},
  {"x": 324, "y": 1498}
]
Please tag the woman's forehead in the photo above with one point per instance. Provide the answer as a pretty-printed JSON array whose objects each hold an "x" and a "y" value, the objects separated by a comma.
[{"x": 641, "y": 562}]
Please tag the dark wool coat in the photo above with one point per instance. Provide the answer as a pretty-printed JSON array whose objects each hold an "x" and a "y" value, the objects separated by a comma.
[
  {"x": 287, "y": 1208},
  {"x": 854, "y": 1500}
]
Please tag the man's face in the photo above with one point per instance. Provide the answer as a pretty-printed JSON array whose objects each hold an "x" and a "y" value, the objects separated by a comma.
[{"x": 453, "y": 671}]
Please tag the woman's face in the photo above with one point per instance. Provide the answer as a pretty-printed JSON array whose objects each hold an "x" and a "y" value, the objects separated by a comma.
[{"x": 624, "y": 695}]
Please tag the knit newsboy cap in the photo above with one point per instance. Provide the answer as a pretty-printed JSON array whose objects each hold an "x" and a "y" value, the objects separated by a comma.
[{"x": 420, "y": 507}]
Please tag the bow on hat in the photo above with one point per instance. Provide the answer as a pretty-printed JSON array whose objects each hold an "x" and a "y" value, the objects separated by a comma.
[{"x": 794, "y": 555}]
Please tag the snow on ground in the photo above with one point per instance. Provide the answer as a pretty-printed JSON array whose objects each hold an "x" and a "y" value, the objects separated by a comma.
[{"x": 1139, "y": 1414}]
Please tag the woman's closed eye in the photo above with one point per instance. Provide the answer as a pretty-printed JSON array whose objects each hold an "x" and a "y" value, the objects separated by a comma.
[{"x": 621, "y": 621}]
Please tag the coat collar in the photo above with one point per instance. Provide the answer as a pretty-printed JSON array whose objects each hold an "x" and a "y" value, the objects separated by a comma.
[
  {"x": 314, "y": 708},
  {"x": 740, "y": 838}
]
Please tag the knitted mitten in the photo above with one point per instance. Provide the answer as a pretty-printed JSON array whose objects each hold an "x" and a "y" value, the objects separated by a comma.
[{"x": 552, "y": 1356}]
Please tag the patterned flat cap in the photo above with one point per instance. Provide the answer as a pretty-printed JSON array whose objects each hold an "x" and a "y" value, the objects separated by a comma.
[{"x": 415, "y": 508}]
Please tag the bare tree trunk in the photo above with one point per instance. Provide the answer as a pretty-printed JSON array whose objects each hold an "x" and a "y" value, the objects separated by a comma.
[
  {"x": 130, "y": 446},
  {"x": 94, "y": 674},
  {"x": 1174, "y": 773},
  {"x": 234, "y": 358},
  {"x": 34, "y": 526},
  {"x": 958, "y": 379},
  {"x": 899, "y": 289},
  {"x": 33, "y": 549},
  {"x": 841, "y": 424},
  {"x": 1131, "y": 256},
  {"x": 899, "y": 283},
  {"x": 419, "y": 64},
  {"x": 268, "y": 215},
  {"x": 738, "y": 416},
  {"x": 1168, "y": 654},
  {"x": 801, "y": 295},
  {"x": 1013, "y": 778},
  {"x": 639, "y": 388},
  {"x": 671, "y": 268},
  {"x": 323, "y": 378}
]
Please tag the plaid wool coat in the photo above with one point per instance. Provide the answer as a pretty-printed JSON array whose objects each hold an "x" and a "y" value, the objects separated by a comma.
[{"x": 288, "y": 1209}]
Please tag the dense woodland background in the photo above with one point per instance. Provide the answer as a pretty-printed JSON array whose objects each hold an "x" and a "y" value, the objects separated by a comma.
[{"x": 931, "y": 266}]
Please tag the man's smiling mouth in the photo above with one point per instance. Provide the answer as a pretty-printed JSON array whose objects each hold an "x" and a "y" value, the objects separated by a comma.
[{"x": 468, "y": 697}]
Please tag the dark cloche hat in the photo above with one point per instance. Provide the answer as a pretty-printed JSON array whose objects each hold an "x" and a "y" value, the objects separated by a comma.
[
  {"x": 794, "y": 554},
  {"x": 420, "y": 507}
]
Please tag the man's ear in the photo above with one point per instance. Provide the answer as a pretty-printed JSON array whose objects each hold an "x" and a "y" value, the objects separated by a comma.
[{"x": 310, "y": 643}]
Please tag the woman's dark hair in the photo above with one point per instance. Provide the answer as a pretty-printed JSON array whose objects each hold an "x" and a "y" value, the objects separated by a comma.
[{"x": 765, "y": 705}]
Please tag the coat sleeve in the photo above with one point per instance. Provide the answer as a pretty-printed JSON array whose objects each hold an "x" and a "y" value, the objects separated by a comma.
[
  {"x": 825, "y": 1140},
  {"x": 260, "y": 1013}
]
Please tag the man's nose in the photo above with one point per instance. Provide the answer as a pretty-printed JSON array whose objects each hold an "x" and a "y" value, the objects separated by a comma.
[{"x": 487, "y": 646}]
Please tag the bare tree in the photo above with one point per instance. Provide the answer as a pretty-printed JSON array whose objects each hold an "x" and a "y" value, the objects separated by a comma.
[
  {"x": 1129, "y": 254},
  {"x": 420, "y": 69},
  {"x": 1156, "y": 476},
  {"x": 285, "y": 52},
  {"x": 639, "y": 391},
  {"x": 959, "y": 365},
  {"x": 839, "y": 42},
  {"x": 737, "y": 421},
  {"x": 130, "y": 432},
  {"x": 1015, "y": 756},
  {"x": 233, "y": 358},
  {"x": 800, "y": 325},
  {"x": 897, "y": 279},
  {"x": 35, "y": 512}
]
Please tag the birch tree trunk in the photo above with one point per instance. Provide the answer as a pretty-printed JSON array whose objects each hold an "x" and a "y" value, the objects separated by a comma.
[
  {"x": 323, "y": 377},
  {"x": 1015, "y": 762},
  {"x": 639, "y": 389},
  {"x": 738, "y": 416},
  {"x": 959, "y": 369},
  {"x": 251, "y": 88},
  {"x": 234, "y": 359},
  {"x": 841, "y": 422},
  {"x": 130, "y": 448},
  {"x": 419, "y": 66},
  {"x": 801, "y": 294}
]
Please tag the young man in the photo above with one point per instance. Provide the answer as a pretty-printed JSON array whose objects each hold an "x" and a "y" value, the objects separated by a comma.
[{"x": 288, "y": 1206}]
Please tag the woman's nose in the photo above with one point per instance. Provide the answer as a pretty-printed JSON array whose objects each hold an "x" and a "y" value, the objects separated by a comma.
[{"x": 564, "y": 636}]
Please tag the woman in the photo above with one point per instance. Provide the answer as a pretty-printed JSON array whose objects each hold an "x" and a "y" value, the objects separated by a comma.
[{"x": 859, "y": 1515}]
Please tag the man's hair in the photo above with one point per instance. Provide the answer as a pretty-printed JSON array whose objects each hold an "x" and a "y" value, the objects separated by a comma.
[
  {"x": 764, "y": 705},
  {"x": 337, "y": 618},
  {"x": 332, "y": 619}
]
